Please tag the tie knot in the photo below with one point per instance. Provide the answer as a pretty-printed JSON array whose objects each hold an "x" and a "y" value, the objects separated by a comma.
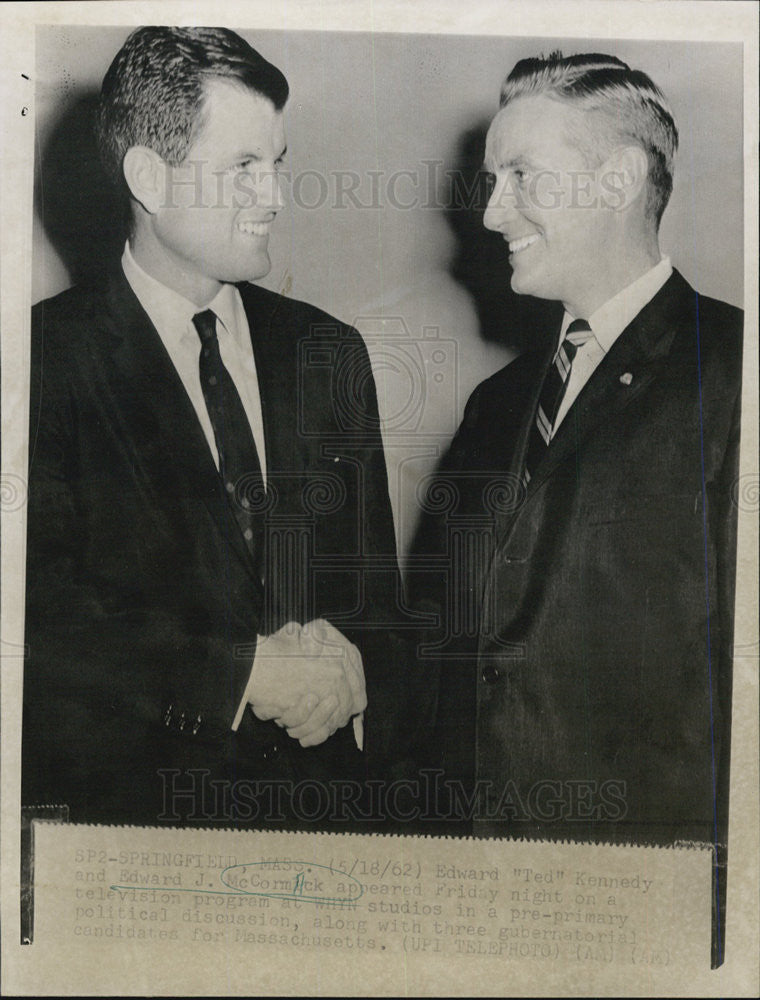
[
  {"x": 205, "y": 323},
  {"x": 578, "y": 333}
]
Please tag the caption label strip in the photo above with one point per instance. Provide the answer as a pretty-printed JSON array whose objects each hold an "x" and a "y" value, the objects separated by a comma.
[{"x": 637, "y": 915}]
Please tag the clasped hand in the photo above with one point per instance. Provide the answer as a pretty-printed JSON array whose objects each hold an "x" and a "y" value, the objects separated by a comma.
[{"x": 309, "y": 679}]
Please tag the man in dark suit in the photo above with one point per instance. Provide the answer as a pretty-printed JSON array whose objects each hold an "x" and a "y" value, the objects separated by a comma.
[
  {"x": 593, "y": 479},
  {"x": 211, "y": 573}
]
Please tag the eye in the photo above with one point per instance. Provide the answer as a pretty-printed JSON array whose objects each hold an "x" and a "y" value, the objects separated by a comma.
[{"x": 241, "y": 165}]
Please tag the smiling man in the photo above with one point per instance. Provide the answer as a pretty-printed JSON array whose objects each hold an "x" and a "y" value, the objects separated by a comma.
[
  {"x": 191, "y": 535},
  {"x": 593, "y": 700}
]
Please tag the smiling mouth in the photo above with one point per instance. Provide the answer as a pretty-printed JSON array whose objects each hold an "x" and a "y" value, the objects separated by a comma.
[
  {"x": 254, "y": 228},
  {"x": 517, "y": 246}
]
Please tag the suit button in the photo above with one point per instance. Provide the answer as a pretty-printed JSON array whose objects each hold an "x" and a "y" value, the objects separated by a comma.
[
  {"x": 271, "y": 752},
  {"x": 490, "y": 674}
]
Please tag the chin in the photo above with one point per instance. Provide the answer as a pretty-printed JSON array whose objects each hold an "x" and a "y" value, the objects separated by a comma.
[
  {"x": 249, "y": 270},
  {"x": 521, "y": 285}
]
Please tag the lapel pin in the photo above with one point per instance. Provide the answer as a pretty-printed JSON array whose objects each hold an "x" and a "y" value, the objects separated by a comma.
[{"x": 626, "y": 378}]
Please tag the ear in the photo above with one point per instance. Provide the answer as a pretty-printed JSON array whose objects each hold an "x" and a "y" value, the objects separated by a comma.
[
  {"x": 624, "y": 177},
  {"x": 145, "y": 174}
]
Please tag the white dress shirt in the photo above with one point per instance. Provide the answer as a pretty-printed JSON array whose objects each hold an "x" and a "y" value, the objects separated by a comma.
[{"x": 607, "y": 323}]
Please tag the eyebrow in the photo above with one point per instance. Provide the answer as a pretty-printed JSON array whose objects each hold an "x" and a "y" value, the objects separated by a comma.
[
  {"x": 244, "y": 154},
  {"x": 489, "y": 163}
]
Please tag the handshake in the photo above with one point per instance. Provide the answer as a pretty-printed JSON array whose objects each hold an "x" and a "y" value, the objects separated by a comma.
[{"x": 309, "y": 679}]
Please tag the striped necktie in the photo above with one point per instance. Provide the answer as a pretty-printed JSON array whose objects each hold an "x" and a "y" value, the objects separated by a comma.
[
  {"x": 239, "y": 465},
  {"x": 552, "y": 392}
]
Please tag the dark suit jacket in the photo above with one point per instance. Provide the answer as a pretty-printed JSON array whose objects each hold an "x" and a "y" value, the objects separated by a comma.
[
  {"x": 143, "y": 606},
  {"x": 591, "y": 694}
]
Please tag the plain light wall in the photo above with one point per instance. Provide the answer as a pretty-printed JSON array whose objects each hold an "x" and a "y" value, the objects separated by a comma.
[{"x": 426, "y": 285}]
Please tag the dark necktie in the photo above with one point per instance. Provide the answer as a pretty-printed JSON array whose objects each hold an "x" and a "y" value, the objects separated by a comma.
[
  {"x": 239, "y": 465},
  {"x": 552, "y": 393}
]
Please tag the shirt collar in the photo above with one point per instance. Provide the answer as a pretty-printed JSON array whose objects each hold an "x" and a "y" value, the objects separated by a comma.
[
  {"x": 609, "y": 320},
  {"x": 170, "y": 312},
  {"x": 226, "y": 304}
]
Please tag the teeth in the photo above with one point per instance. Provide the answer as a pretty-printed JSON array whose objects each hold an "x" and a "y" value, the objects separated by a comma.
[
  {"x": 254, "y": 228},
  {"x": 525, "y": 241}
]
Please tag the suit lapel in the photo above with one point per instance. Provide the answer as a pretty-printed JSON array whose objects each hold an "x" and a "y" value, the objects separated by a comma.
[
  {"x": 277, "y": 326},
  {"x": 161, "y": 420},
  {"x": 281, "y": 389},
  {"x": 259, "y": 315},
  {"x": 639, "y": 352}
]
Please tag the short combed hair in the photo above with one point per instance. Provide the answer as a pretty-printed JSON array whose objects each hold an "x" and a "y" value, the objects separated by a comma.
[
  {"x": 153, "y": 92},
  {"x": 622, "y": 105}
]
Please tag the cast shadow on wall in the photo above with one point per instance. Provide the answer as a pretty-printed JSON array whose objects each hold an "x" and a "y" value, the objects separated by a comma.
[
  {"x": 480, "y": 262},
  {"x": 81, "y": 213},
  {"x": 517, "y": 322}
]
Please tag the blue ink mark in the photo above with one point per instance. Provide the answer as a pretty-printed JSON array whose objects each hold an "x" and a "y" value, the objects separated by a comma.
[{"x": 265, "y": 879}]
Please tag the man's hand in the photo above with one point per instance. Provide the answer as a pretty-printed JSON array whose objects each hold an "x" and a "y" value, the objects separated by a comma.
[{"x": 309, "y": 679}]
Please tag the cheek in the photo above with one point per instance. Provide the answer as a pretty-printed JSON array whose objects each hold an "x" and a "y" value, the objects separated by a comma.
[
  {"x": 574, "y": 229},
  {"x": 239, "y": 191},
  {"x": 544, "y": 195},
  {"x": 176, "y": 229},
  {"x": 196, "y": 234},
  {"x": 188, "y": 189}
]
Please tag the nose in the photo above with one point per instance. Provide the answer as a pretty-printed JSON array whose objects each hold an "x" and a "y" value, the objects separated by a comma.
[
  {"x": 269, "y": 190},
  {"x": 259, "y": 188},
  {"x": 501, "y": 208}
]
